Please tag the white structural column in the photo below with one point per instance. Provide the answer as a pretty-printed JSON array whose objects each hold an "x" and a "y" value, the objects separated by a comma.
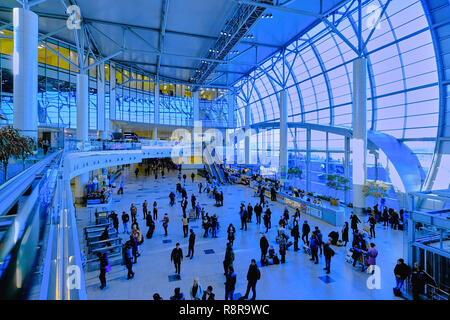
[
  {"x": 359, "y": 140},
  {"x": 197, "y": 130},
  {"x": 156, "y": 116},
  {"x": 247, "y": 135},
  {"x": 82, "y": 107},
  {"x": 25, "y": 71},
  {"x": 80, "y": 184},
  {"x": 102, "y": 126},
  {"x": 283, "y": 137},
  {"x": 112, "y": 97},
  {"x": 231, "y": 98}
]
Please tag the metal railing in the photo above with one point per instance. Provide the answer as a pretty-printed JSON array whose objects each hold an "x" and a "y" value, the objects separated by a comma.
[{"x": 73, "y": 145}]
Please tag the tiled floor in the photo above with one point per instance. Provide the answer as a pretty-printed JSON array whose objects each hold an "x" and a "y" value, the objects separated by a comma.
[{"x": 298, "y": 278}]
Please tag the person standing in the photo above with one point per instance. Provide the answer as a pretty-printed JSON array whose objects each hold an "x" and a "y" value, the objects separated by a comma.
[
  {"x": 184, "y": 204},
  {"x": 230, "y": 283},
  {"x": 144, "y": 209},
  {"x": 176, "y": 256},
  {"x": 136, "y": 172},
  {"x": 208, "y": 294},
  {"x": 282, "y": 248},
  {"x": 249, "y": 212},
  {"x": 372, "y": 221},
  {"x": 266, "y": 219},
  {"x": 231, "y": 231},
  {"x": 191, "y": 245},
  {"x": 328, "y": 253},
  {"x": 113, "y": 216},
  {"x": 192, "y": 176},
  {"x": 104, "y": 268},
  {"x": 155, "y": 211},
  {"x": 253, "y": 275},
  {"x": 229, "y": 258},
  {"x": 185, "y": 221},
  {"x": 178, "y": 295},
  {"x": 372, "y": 254},
  {"x": 165, "y": 223},
  {"x": 295, "y": 234},
  {"x": 319, "y": 239},
  {"x": 258, "y": 212},
  {"x": 196, "y": 290},
  {"x": 418, "y": 279},
  {"x": 125, "y": 219},
  {"x": 133, "y": 211},
  {"x": 401, "y": 272},
  {"x": 264, "y": 246},
  {"x": 305, "y": 232},
  {"x": 200, "y": 187},
  {"x": 128, "y": 255},
  {"x": 151, "y": 226},
  {"x": 385, "y": 217},
  {"x": 345, "y": 233},
  {"x": 314, "y": 249}
]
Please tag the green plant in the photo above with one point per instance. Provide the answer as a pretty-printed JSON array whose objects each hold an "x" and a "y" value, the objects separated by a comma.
[
  {"x": 337, "y": 182},
  {"x": 295, "y": 171},
  {"x": 13, "y": 145},
  {"x": 377, "y": 189}
]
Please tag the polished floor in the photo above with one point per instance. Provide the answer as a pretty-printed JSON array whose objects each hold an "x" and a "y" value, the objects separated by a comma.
[{"x": 298, "y": 278}]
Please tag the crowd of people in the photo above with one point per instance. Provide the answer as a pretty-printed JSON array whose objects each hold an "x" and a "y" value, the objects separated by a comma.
[{"x": 290, "y": 229}]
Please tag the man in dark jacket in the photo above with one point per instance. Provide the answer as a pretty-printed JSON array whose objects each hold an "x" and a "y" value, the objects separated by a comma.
[
  {"x": 258, "y": 211},
  {"x": 253, "y": 275},
  {"x": 328, "y": 253},
  {"x": 230, "y": 283},
  {"x": 229, "y": 258},
  {"x": 176, "y": 256},
  {"x": 295, "y": 234},
  {"x": 243, "y": 218},
  {"x": 249, "y": 212},
  {"x": 115, "y": 219},
  {"x": 191, "y": 244},
  {"x": 125, "y": 219},
  {"x": 401, "y": 272},
  {"x": 305, "y": 232},
  {"x": 264, "y": 245}
]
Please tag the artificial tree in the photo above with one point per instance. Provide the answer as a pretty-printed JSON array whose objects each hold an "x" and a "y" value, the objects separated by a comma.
[
  {"x": 377, "y": 189},
  {"x": 336, "y": 182}
]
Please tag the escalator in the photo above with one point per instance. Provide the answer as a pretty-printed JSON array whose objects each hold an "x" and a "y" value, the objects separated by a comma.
[
  {"x": 219, "y": 167},
  {"x": 212, "y": 166}
]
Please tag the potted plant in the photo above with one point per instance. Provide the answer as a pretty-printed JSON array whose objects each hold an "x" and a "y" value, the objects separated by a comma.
[
  {"x": 336, "y": 182},
  {"x": 295, "y": 171},
  {"x": 377, "y": 189}
]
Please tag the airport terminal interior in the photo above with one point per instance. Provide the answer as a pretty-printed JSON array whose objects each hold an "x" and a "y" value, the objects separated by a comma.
[{"x": 226, "y": 149}]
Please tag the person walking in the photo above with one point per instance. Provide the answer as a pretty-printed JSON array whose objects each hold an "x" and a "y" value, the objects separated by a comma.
[
  {"x": 230, "y": 283},
  {"x": 192, "y": 176},
  {"x": 133, "y": 211},
  {"x": 319, "y": 239},
  {"x": 354, "y": 221},
  {"x": 165, "y": 223},
  {"x": 229, "y": 258},
  {"x": 328, "y": 253},
  {"x": 253, "y": 275},
  {"x": 231, "y": 231},
  {"x": 136, "y": 172},
  {"x": 176, "y": 257},
  {"x": 125, "y": 219},
  {"x": 185, "y": 222},
  {"x": 200, "y": 187},
  {"x": 196, "y": 291},
  {"x": 191, "y": 245},
  {"x": 243, "y": 214},
  {"x": 305, "y": 232},
  {"x": 144, "y": 209},
  {"x": 115, "y": 219},
  {"x": 264, "y": 246}
]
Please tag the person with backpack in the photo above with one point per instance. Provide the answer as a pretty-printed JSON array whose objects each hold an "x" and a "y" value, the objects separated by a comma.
[
  {"x": 191, "y": 245},
  {"x": 176, "y": 257},
  {"x": 125, "y": 219},
  {"x": 328, "y": 253},
  {"x": 253, "y": 275},
  {"x": 230, "y": 283},
  {"x": 264, "y": 245},
  {"x": 165, "y": 223}
]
